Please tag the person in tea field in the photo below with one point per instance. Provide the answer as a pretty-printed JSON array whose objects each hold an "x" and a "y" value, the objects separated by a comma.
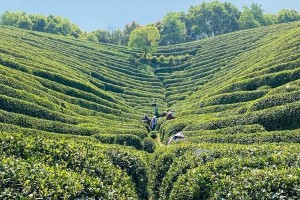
[
  {"x": 146, "y": 119},
  {"x": 177, "y": 136},
  {"x": 170, "y": 116},
  {"x": 153, "y": 123}
]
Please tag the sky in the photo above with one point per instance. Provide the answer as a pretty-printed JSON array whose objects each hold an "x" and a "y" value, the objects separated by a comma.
[{"x": 113, "y": 14}]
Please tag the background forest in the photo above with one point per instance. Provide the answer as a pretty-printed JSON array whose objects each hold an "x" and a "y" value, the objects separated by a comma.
[{"x": 201, "y": 21}]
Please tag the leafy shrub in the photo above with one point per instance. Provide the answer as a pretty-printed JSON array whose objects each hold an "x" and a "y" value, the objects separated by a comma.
[
  {"x": 135, "y": 167},
  {"x": 153, "y": 134},
  {"x": 149, "y": 145},
  {"x": 62, "y": 155},
  {"x": 199, "y": 182},
  {"x": 122, "y": 139},
  {"x": 268, "y": 183},
  {"x": 234, "y": 97}
]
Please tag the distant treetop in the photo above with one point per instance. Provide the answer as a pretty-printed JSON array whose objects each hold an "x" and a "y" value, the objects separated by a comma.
[
  {"x": 201, "y": 21},
  {"x": 144, "y": 38}
]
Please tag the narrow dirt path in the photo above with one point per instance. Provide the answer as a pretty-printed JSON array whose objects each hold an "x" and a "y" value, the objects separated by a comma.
[{"x": 159, "y": 141}]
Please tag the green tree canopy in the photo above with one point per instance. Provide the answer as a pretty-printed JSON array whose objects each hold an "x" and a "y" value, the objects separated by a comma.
[
  {"x": 247, "y": 20},
  {"x": 51, "y": 24},
  {"x": 10, "y": 18},
  {"x": 103, "y": 36},
  {"x": 25, "y": 22},
  {"x": 173, "y": 30},
  {"x": 215, "y": 18},
  {"x": 270, "y": 19},
  {"x": 285, "y": 16},
  {"x": 258, "y": 13},
  {"x": 145, "y": 38},
  {"x": 127, "y": 31},
  {"x": 91, "y": 37},
  {"x": 39, "y": 22}
]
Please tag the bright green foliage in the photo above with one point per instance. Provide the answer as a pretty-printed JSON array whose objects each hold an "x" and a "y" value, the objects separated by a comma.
[
  {"x": 204, "y": 20},
  {"x": 173, "y": 29},
  {"x": 214, "y": 171},
  {"x": 211, "y": 19},
  {"x": 50, "y": 24},
  {"x": 58, "y": 161},
  {"x": 270, "y": 19},
  {"x": 144, "y": 38},
  {"x": 127, "y": 31},
  {"x": 247, "y": 20},
  {"x": 285, "y": 16},
  {"x": 122, "y": 139},
  {"x": 149, "y": 145},
  {"x": 257, "y": 12}
]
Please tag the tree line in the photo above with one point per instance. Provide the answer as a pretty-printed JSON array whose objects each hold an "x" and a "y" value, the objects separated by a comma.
[
  {"x": 201, "y": 21},
  {"x": 51, "y": 24}
]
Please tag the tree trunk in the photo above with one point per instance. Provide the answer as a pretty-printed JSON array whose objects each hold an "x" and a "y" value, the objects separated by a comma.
[{"x": 145, "y": 55}]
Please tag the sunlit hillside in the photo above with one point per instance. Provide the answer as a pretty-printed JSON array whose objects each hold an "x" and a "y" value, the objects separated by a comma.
[{"x": 71, "y": 110}]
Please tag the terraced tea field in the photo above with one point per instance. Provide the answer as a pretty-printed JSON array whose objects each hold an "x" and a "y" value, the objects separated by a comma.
[{"x": 70, "y": 118}]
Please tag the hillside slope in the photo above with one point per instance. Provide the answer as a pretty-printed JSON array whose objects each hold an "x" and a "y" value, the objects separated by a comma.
[
  {"x": 245, "y": 82},
  {"x": 99, "y": 87},
  {"x": 236, "y": 97}
]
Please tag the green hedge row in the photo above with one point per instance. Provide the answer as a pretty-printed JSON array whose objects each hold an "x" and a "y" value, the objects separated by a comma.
[
  {"x": 235, "y": 97},
  {"x": 284, "y": 117},
  {"x": 44, "y": 125},
  {"x": 255, "y": 128},
  {"x": 23, "y": 107},
  {"x": 257, "y": 172},
  {"x": 122, "y": 139},
  {"x": 70, "y": 155},
  {"x": 275, "y": 100},
  {"x": 292, "y": 136},
  {"x": 20, "y": 179}
]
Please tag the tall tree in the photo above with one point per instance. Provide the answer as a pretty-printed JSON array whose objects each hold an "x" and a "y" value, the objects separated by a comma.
[
  {"x": 127, "y": 31},
  {"x": 65, "y": 26},
  {"x": 103, "y": 36},
  {"x": 247, "y": 20},
  {"x": 52, "y": 25},
  {"x": 25, "y": 22},
  {"x": 117, "y": 37},
  {"x": 270, "y": 19},
  {"x": 39, "y": 22},
  {"x": 145, "y": 38},
  {"x": 76, "y": 32},
  {"x": 91, "y": 37},
  {"x": 215, "y": 18},
  {"x": 258, "y": 13},
  {"x": 173, "y": 29},
  {"x": 10, "y": 18},
  {"x": 285, "y": 16}
]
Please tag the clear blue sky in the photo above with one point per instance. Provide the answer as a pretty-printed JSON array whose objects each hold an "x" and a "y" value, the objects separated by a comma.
[{"x": 113, "y": 14}]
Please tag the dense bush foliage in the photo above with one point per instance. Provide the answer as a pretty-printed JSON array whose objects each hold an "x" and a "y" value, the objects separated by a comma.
[
  {"x": 149, "y": 145},
  {"x": 223, "y": 171},
  {"x": 122, "y": 139},
  {"x": 55, "y": 163}
]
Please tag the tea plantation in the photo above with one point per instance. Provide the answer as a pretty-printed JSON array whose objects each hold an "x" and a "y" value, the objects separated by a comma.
[{"x": 70, "y": 117}]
